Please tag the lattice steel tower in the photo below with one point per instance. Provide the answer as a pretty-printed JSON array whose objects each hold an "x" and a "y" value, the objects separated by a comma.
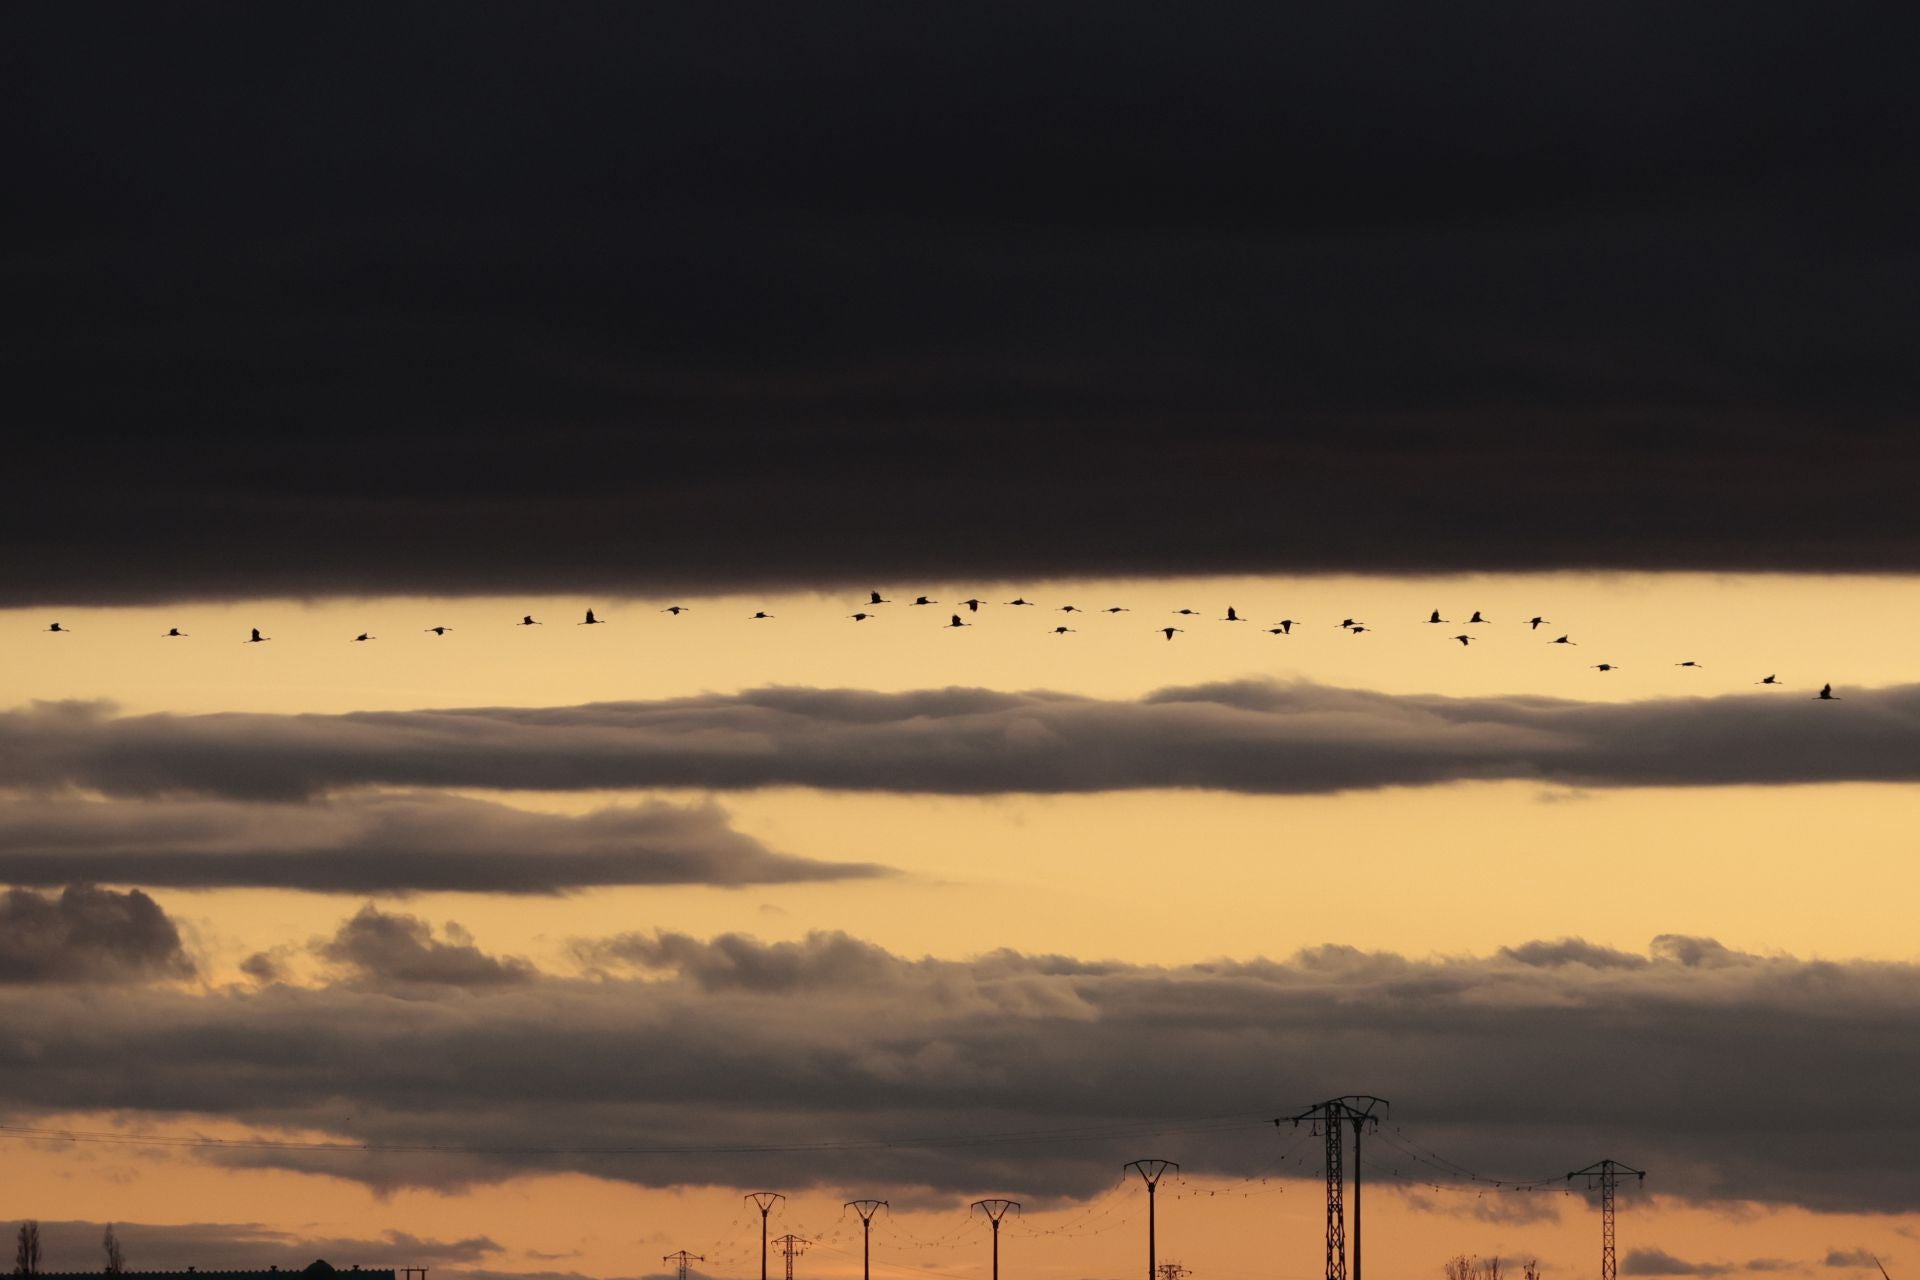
[
  {"x": 1362, "y": 1111},
  {"x": 1606, "y": 1175}
]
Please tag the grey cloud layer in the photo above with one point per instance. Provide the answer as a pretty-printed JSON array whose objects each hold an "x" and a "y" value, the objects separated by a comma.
[
  {"x": 673, "y": 1041},
  {"x": 385, "y": 844},
  {"x": 1247, "y": 736}
]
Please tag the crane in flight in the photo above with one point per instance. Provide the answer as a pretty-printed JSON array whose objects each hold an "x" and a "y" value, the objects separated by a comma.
[
  {"x": 1435, "y": 617},
  {"x": 675, "y": 609},
  {"x": 439, "y": 631},
  {"x": 363, "y": 637},
  {"x": 57, "y": 627},
  {"x": 874, "y": 597},
  {"x": 254, "y": 637},
  {"x": 174, "y": 633},
  {"x": 973, "y": 606},
  {"x": 861, "y": 617},
  {"x": 591, "y": 621},
  {"x": 760, "y": 615},
  {"x": 527, "y": 622},
  {"x": 1018, "y": 601},
  {"x": 1170, "y": 632},
  {"x": 1768, "y": 680},
  {"x": 1605, "y": 666},
  {"x": 1476, "y": 617},
  {"x": 1116, "y": 608},
  {"x": 956, "y": 623},
  {"x": 1464, "y": 640},
  {"x": 1232, "y": 616},
  {"x": 1825, "y": 694},
  {"x": 1536, "y": 622},
  {"x": 1563, "y": 640},
  {"x": 1063, "y": 631},
  {"x": 924, "y": 600}
]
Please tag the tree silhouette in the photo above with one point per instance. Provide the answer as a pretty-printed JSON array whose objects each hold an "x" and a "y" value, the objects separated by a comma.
[
  {"x": 26, "y": 1256},
  {"x": 116, "y": 1260}
]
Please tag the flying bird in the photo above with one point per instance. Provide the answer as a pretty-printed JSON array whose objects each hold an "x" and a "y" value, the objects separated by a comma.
[
  {"x": 591, "y": 621},
  {"x": 364, "y": 636},
  {"x": 1232, "y": 616},
  {"x": 174, "y": 633},
  {"x": 254, "y": 637},
  {"x": 1284, "y": 626},
  {"x": 1476, "y": 617},
  {"x": 874, "y": 597},
  {"x": 1019, "y": 601},
  {"x": 956, "y": 622},
  {"x": 924, "y": 600},
  {"x": 1464, "y": 640},
  {"x": 1825, "y": 694},
  {"x": 1689, "y": 663},
  {"x": 439, "y": 631},
  {"x": 973, "y": 606},
  {"x": 861, "y": 617},
  {"x": 1359, "y": 628},
  {"x": 1435, "y": 617},
  {"x": 1116, "y": 608},
  {"x": 758, "y": 615},
  {"x": 1170, "y": 632},
  {"x": 675, "y": 609},
  {"x": 1563, "y": 640},
  {"x": 1348, "y": 624},
  {"x": 1605, "y": 666},
  {"x": 526, "y": 622},
  {"x": 1279, "y": 631},
  {"x": 57, "y": 627},
  {"x": 1769, "y": 680},
  {"x": 1535, "y": 622},
  {"x": 1069, "y": 608},
  {"x": 1061, "y": 631},
  {"x": 1187, "y": 613}
]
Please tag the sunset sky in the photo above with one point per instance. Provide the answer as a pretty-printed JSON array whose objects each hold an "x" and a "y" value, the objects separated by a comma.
[{"x": 525, "y": 952}]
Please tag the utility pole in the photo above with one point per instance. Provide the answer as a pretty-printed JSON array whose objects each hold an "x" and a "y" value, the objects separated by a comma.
[
  {"x": 1173, "y": 1271},
  {"x": 866, "y": 1209},
  {"x": 792, "y": 1245},
  {"x": 996, "y": 1210},
  {"x": 681, "y": 1259},
  {"x": 1606, "y": 1175},
  {"x": 1150, "y": 1171},
  {"x": 764, "y": 1200},
  {"x": 1362, "y": 1111}
]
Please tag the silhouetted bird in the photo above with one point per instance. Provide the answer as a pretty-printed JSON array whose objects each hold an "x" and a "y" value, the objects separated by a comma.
[
  {"x": 174, "y": 633},
  {"x": 675, "y": 609},
  {"x": 1769, "y": 680},
  {"x": 1435, "y": 617},
  {"x": 56, "y": 627},
  {"x": 1464, "y": 640},
  {"x": 860, "y": 617},
  {"x": 1115, "y": 608},
  {"x": 1563, "y": 640},
  {"x": 1476, "y": 617},
  {"x": 1017, "y": 601},
  {"x": 1170, "y": 632},
  {"x": 924, "y": 600},
  {"x": 956, "y": 622},
  {"x": 1535, "y": 622},
  {"x": 1825, "y": 694},
  {"x": 1347, "y": 623},
  {"x": 1068, "y": 608},
  {"x": 973, "y": 606},
  {"x": 439, "y": 631},
  {"x": 874, "y": 597},
  {"x": 1188, "y": 613},
  {"x": 363, "y": 636},
  {"x": 527, "y": 622},
  {"x": 1285, "y": 626},
  {"x": 1359, "y": 628},
  {"x": 254, "y": 637},
  {"x": 1689, "y": 663},
  {"x": 1062, "y": 631},
  {"x": 759, "y": 615},
  {"x": 1605, "y": 666},
  {"x": 590, "y": 621},
  {"x": 1277, "y": 631},
  {"x": 1232, "y": 616}
]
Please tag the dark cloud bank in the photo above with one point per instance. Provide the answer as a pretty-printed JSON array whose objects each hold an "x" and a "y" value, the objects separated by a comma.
[
  {"x": 1246, "y": 736},
  {"x": 1735, "y": 1076},
  {"x": 226, "y": 1246},
  {"x": 87, "y": 934},
  {"x": 387, "y": 844},
  {"x": 468, "y": 298}
]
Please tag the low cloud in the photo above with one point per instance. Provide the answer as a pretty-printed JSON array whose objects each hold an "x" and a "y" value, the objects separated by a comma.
[
  {"x": 88, "y": 934},
  {"x": 1248, "y": 736},
  {"x": 1658, "y": 1262},
  {"x": 1850, "y": 1258},
  {"x": 228, "y": 1246},
  {"x": 676, "y": 1060},
  {"x": 386, "y": 844}
]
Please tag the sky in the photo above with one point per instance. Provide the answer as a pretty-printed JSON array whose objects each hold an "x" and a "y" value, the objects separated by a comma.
[{"x": 525, "y": 952}]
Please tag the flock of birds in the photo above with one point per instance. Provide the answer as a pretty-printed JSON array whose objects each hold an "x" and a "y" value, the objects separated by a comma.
[{"x": 973, "y": 605}]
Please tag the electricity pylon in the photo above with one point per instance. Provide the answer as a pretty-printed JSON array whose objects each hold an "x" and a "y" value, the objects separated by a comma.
[
  {"x": 1173, "y": 1271},
  {"x": 1150, "y": 1171},
  {"x": 764, "y": 1201},
  {"x": 866, "y": 1209},
  {"x": 680, "y": 1261},
  {"x": 792, "y": 1245},
  {"x": 1605, "y": 1175},
  {"x": 996, "y": 1210},
  {"x": 1362, "y": 1111}
]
